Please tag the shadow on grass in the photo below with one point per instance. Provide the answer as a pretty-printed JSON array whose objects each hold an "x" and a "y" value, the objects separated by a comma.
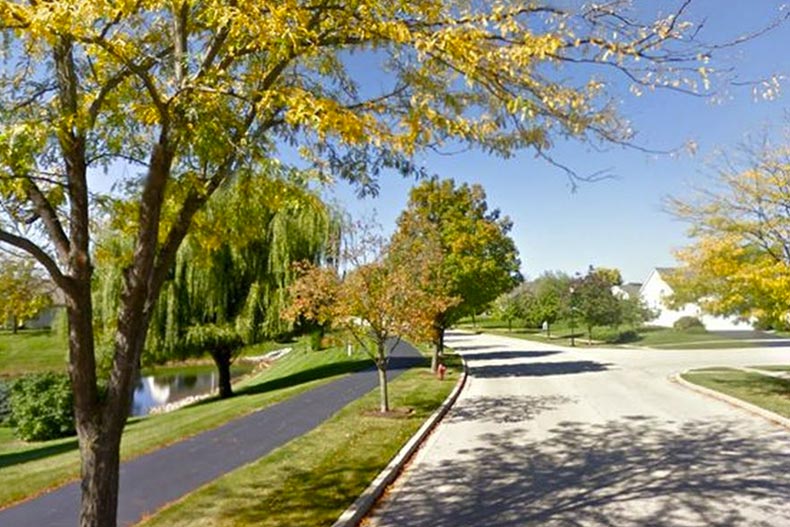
[
  {"x": 305, "y": 376},
  {"x": 15, "y": 458}
]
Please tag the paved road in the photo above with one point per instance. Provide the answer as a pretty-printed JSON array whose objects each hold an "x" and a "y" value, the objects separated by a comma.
[
  {"x": 151, "y": 481},
  {"x": 550, "y": 436}
]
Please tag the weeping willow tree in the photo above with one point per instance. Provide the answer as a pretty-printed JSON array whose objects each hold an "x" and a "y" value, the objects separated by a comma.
[{"x": 229, "y": 281}]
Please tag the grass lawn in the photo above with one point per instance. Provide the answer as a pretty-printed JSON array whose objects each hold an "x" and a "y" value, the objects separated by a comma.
[
  {"x": 311, "y": 480},
  {"x": 31, "y": 351},
  {"x": 778, "y": 368},
  {"x": 651, "y": 337},
  {"x": 767, "y": 392},
  {"x": 29, "y": 468}
]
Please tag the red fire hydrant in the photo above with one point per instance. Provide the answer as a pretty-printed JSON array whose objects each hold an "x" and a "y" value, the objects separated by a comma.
[{"x": 440, "y": 371}]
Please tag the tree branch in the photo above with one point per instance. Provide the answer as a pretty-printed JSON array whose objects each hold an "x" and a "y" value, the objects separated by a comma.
[
  {"x": 50, "y": 218},
  {"x": 41, "y": 257}
]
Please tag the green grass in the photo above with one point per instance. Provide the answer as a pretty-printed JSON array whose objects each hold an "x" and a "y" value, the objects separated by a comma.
[
  {"x": 764, "y": 391},
  {"x": 29, "y": 468},
  {"x": 647, "y": 336},
  {"x": 311, "y": 480},
  {"x": 31, "y": 351},
  {"x": 779, "y": 368}
]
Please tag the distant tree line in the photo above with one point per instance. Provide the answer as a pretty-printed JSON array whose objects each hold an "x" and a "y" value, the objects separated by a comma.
[{"x": 585, "y": 301}]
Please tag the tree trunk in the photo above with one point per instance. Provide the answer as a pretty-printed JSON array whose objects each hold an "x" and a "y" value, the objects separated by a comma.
[
  {"x": 589, "y": 335},
  {"x": 509, "y": 326},
  {"x": 100, "y": 465},
  {"x": 548, "y": 330},
  {"x": 385, "y": 403},
  {"x": 438, "y": 350},
  {"x": 13, "y": 324},
  {"x": 222, "y": 358}
]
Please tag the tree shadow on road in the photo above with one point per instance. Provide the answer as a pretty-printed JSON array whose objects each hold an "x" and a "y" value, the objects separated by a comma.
[
  {"x": 505, "y": 409},
  {"x": 502, "y": 355},
  {"x": 633, "y": 471},
  {"x": 538, "y": 369}
]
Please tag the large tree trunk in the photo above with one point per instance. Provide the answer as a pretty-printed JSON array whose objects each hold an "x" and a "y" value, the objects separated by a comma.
[
  {"x": 14, "y": 324},
  {"x": 100, "y": 468},
  {"x": 222, "y": 358}
]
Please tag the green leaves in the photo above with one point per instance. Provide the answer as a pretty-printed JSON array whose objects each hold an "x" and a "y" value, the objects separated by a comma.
[{"x": 478, "y": 260}]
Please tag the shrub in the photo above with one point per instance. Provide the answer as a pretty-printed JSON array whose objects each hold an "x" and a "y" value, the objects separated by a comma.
[
  {"x": 684, "y": 323},
  {"x": 5, "y": 402},
  {"x": 624, "y": 337},
  {"x": 41, "y": 407},
  {"x": 316, "y": 340}
]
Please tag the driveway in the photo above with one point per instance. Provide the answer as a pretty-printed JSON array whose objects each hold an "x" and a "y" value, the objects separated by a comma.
[{"x": 544, "y": 435}]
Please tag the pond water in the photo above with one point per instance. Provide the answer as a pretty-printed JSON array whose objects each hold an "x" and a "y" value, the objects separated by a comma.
[{"x": 164, "y": 388}]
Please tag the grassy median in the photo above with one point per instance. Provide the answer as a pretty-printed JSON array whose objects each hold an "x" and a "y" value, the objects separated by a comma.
[{"x": 764, "y": 391}]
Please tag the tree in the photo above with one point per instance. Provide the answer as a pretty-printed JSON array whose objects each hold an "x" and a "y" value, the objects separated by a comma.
[
  {"x": 634, "y": 312},
  {"x": 478, "y": 260},
  {"x": 550, "y": 293},
  {"x": 739, "y": 261},
  {"x": 190, "y": 92},
  {"x": 313, "y": 296},
  {"x": 24, "y": 292},
  {"x": 230, "y": 278},
  {"x": 593, "y": 300},
  {"x": 379, "y": 301},
  {"x": 512, "y": 306}
]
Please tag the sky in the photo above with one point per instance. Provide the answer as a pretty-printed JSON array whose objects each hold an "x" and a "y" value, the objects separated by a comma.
[{"x": 619, "y": 222}]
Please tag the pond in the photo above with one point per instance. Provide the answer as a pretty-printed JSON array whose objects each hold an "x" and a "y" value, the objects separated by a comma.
[{"x": 173, "y": 385}]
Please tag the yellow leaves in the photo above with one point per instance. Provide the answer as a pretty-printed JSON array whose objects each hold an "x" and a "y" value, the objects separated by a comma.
[{"x": 739, "y": 260}]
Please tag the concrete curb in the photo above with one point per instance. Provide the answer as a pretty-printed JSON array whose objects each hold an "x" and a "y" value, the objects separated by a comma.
[
  {"x": 733, "y": 401},
  {"x": 362, "y": 505}
]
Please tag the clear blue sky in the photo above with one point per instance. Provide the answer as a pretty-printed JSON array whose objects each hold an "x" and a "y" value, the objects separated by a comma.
[{"x": 618, "y": 223}]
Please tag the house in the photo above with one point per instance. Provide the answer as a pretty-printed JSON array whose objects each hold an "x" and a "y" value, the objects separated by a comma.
[
  {"x": 627, "y": 291},
  {"x": 46, "y": 317},
  {"x": 654, "y": 292}
]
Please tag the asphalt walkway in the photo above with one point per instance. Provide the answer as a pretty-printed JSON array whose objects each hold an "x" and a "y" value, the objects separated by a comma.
[{"x": 151, "y": 481}]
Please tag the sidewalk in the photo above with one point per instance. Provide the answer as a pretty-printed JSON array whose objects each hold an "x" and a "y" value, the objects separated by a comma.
[{"x": 151, "y": 481}]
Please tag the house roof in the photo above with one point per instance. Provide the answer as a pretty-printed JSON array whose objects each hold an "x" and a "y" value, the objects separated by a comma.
[{"x": 632, "y": 289}]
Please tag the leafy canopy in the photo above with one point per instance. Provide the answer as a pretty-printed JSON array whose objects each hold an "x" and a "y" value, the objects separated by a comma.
[
  {"x": 23, "y": 291},
  {"x": 477, "y": 259},
  {"x": 739, "y": 260}
]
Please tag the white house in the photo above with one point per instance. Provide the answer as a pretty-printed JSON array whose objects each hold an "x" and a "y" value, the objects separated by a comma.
[{"x": 654, "y": 292}]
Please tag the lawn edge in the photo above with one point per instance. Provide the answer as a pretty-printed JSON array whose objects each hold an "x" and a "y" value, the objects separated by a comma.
[
  {"x": 365, "y": 502},
  {"x": 732, "y": 401}
]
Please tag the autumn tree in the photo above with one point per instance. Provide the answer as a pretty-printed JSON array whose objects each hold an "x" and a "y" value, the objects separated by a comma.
[
  {"x": 190, "y": 92},
  {"x": 23, "y": 291},
  {"x": 477, "y": 260},
  {"x": 739, "y": 261},
  {"x": 380, "y": 300},
  {"x": 313, "y": 296}
]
